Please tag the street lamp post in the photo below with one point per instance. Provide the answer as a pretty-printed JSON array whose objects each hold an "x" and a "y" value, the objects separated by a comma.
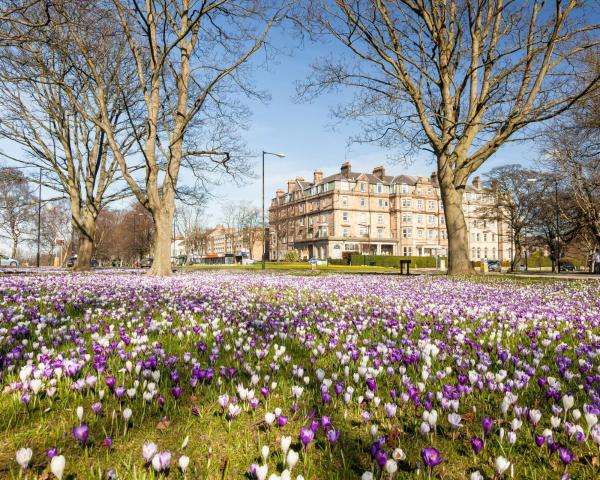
[
  {"x": 39, "y": 221},
  {"x": 279, "y": 155},
  {"x": 557, "y": 226}
]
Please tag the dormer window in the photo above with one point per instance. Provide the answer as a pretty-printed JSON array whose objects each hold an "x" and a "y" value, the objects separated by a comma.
[
  {"x": 379, "y": 188},
  {"x": 362, "y": 187}
]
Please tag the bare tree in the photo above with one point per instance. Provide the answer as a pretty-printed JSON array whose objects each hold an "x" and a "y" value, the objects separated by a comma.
[
  {"x": 52, "y": 131},
  {"x": 16, "y": 207},
  {"x": 19, "y": 19},
  {"x": 517, "y": 193},
  {"x": 250, "y": 227},
  {"x": 189, "y": 221},
  {"x": 189, "y": 56},
  {"x": 55, "y": 229},
  {"x": 557, "y": 223},
  {"x": 457, "y": 78},
  {"x": 572, "y": 148}
]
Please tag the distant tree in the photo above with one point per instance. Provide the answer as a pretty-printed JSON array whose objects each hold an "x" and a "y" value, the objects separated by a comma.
[
  {"x": 458, "y": 79},
  {"x": 55, "y": 229},
  {"x": 189, "y": 220},
  {"x": 556, "y": 225},
  {"x": 250, "y": 226},
  {"x": 517, "y": 204},
  {"x": 17, "y": 207}
]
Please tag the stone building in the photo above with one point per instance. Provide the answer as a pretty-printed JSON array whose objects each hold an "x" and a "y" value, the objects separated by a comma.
[{"x": 376, "y": 213}]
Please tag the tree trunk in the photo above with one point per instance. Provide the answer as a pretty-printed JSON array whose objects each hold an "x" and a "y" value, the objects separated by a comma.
[
  {"x": 517, "y": 256},
  {"x": 163, "y": 222},
  {"x": 458, "y": 236},
  {"x": 87, "y": 232},
  {"x": 15, "y": 245}
]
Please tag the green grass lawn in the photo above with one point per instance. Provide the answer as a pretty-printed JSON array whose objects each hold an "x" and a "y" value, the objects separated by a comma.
[{"x": 300, "y": 266}]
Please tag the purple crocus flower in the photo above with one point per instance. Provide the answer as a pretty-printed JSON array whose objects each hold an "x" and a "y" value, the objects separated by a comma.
[
  {"x": 96, "y": 407},
  {"x": 565, "y": 455},
  {"x": 381, "y": 457},
  {"x": 265, "y": 392},
  {"x": 51, "y": 452},
  {"x": 539, "y": 440},
  {"x": 282, "y": 420},
  {"x": 108, "y": 442},
  {"x": 111, "y": 382},
  {"x": 371, "y": 384},
  {"x": 306, "y": 436},
  {"x": 488, "y": 424},
  {"x": 120, "y": 391},
  {"x": 176, "y": 392},
  {"x": 476, "y": 444},
  {"x": 314, "y": 426},
  {"x": 332, "y": 435},
  {"x": 325, "y": 422},
  {"x": 81, "y": 433},
  {"x": 431, "y": 457}
]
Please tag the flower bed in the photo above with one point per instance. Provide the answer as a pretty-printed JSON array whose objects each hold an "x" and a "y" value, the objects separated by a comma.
[{"x": 225, "y": 374}]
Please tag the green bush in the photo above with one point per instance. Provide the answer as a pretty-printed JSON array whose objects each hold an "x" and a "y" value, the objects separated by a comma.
[
  {"x": 292, "y": 256},
  {"x": 393, "y": 261},
  {"x": 338, "y": 261}
]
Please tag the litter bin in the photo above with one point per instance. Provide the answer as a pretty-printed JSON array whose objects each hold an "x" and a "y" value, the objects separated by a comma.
[{"x": 522, "y": 268}]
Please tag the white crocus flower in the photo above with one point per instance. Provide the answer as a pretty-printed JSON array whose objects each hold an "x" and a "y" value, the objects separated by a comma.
[{"x": 23, "y": 457}]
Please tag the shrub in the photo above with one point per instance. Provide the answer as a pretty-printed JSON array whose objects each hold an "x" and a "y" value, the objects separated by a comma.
[
  {"x": 292, "y": 256},
  {"x": 393, "y": 261},
  {"x": 338, "y": 261}
]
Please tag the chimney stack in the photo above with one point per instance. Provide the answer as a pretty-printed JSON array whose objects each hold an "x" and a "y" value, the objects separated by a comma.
[
  {"x": 291, "y": 186},
  {"x": 379, "y": 172},
  {"x": 279, "y": 192},
  {"x": 346, "y": 169},
  {"x": 476, "y": 182},
  {"x": 317, "y": 177}
]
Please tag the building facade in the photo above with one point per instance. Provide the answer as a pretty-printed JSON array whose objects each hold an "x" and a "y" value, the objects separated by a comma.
[
  {"x": 378, "y": 214},
  {"x": 222, "y": 241}
]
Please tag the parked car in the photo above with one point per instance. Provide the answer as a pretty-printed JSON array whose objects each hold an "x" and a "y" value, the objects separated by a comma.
[
  {"x": 567, "y": 267},
  {"x": 8, "y": 261},
  {"x": 494, "y": 266},
  {"x": 146, "y": 262},
  {"x": 72, "y": 261}
]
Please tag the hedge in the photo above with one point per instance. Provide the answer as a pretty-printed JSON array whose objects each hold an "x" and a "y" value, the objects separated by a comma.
[
  {"x": 393, "y": 261},
  {"x": 338, "y": 261}
]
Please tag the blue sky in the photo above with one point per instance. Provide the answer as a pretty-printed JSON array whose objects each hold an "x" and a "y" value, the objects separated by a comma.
[{"x": 305, "y": 133}]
